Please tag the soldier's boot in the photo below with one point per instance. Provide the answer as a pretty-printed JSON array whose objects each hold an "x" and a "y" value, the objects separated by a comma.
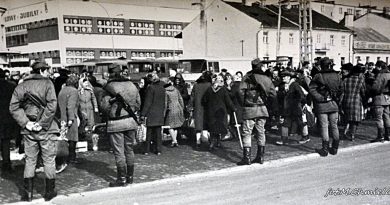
[
  {"x": 379, "y": 137},
  {"x": 259, "y": 155},
  {"x": 246, "y": 158},
  {"x": 387, "y": 134},
  {"x": 50, "y": 191},
  {"x": 121, "y": 178},
  {"x": 129, "y": 174},
  {"x": 334, "y": 148},
  {"x": 28, "y": 186},
  {"x": 324, "y": 150}
]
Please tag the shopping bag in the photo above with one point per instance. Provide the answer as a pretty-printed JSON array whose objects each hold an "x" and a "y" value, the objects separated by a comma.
[
  {"x": 62, "y": 148},
  {"x": 141, "y": 133},
  {"x": 189, "y": 122}
]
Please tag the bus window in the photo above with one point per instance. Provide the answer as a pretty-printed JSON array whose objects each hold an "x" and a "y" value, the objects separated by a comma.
[{"x": 213, "y": 67}]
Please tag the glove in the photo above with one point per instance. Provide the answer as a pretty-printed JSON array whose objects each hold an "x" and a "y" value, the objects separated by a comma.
[
  {"x": 29, "y": 126},
  {"x": 70, "y": 122},
  {"x": 96, "y": 110},
  {"x": 37, "y": 127}
]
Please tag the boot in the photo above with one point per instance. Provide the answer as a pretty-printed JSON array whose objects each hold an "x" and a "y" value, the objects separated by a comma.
[
  {"x": 246, "y": 158},
  {"x": 129, "y": 174},
  {"x": 219, "y": 138},
  {"x": 212, "y": 143},
  {"x": 379, "y": 137},
  {"x": 50, "y": 191},
  {"x": 260, "y": 155},
  {"x": 324, "y": 150},
  {"x": 72, "y": 153},
  {"x": 387, "y": 134},
  {"x": 334, "y": 148},
  {"x": 27, "y": 194},
  {"x": 121, "y": 178}
]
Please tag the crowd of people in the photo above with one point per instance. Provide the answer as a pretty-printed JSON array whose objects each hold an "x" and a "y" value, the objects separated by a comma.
[{"x": 47, "y": 108}]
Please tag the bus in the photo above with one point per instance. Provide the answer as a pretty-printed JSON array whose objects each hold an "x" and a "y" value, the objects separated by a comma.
[
  {"x": 192, "y": 68},
  {"x": 137, "y": 67}
]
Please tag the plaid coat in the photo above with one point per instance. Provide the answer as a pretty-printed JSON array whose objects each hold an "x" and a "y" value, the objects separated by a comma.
[{"x": 353, "y": 93}]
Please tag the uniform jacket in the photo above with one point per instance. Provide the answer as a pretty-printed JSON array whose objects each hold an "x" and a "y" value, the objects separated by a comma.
[
  {"x": 24, "y": 111},
  {"x": 234, "y": 94},
  {"x": 380, "y": 88},
  {"x": 352, "y": 97},
  {"x": 217, "y": 103},
  {"x": 323, "y": 103},
  {"x": 258, "y": 106},
  {"x": 120, "y": 121},
  {"x": 68, "y": 101},
  {"x": 155, "y": 104}
]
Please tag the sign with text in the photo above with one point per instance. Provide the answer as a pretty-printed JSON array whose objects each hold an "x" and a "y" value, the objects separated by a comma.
[
  {"x": 371, "y": 45},
  {"x": 26, "y": 12}
]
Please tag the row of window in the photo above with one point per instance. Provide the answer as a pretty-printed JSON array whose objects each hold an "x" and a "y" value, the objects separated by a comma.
[
  {"x": 358, "y": 58},
  {"x": 115, "y": 26},
  {"x": 291, "y": 39},
  {"x": 78, "y": 56}
]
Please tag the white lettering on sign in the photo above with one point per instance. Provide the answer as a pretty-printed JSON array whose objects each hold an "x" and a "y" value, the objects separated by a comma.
[{"x": 371, "y": 45}]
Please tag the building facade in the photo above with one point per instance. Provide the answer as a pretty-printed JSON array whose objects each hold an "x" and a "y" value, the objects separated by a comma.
[
  {"x": 70, "y": 31},
  {"x": 372, "y": 41},
  {"x": 233, "y": 30}
]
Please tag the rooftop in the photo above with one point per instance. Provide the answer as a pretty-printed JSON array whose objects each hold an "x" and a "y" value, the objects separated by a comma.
[{"x": 369, "y": 35}]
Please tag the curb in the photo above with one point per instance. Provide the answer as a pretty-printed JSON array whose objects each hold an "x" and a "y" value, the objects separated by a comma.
[{"x": 221, "y": 172}]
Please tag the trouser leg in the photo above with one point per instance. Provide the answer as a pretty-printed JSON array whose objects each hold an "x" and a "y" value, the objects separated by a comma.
[
  {"x": 31, "y": 149},
  {"x": 49, "y": 151}
]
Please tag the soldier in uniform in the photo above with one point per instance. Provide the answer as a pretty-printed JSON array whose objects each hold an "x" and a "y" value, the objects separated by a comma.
[
  {"x": 255, "y": 88},
  {"x": 121, "y": 100},
  {"x": 33, "y": 106}
]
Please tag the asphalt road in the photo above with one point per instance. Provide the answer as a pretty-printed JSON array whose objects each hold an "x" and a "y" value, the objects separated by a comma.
[{"x": 298, "y": 180}]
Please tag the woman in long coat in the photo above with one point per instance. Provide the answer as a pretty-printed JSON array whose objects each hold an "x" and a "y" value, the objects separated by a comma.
[
  {"x": 352, "y": 98},
  {"x": 217, "y": 102},
  {"x": 87, "y": 105},
  {"x": 175, "y": 106},
  {"x": 200, "y": 87},
  {"x": 68, "y": 101}
]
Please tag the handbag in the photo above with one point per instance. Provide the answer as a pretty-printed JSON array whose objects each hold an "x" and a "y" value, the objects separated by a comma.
[
  {"x": 189, "y": 122},
  {"x": 62, "y": 148}
]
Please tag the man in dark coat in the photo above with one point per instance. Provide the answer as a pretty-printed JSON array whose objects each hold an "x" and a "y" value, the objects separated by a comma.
[
  {"x": 255, "y": 88},
  {"x": 38, "y": 126},
  {"x": 7, "y": 123},
  {"x": 154, "y": 111},
  {"x": 60, "y": 80},
  {"x": 381, "y": 101},
  {"x": 326, "y": 89},
  {"x": 120, "y": 92}
]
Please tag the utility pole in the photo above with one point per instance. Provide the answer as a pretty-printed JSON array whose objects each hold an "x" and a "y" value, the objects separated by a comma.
[{"x": 305, "y": 32}]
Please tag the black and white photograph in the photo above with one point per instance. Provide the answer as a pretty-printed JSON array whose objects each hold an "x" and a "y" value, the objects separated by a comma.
[{"x": 194, "y": 102}]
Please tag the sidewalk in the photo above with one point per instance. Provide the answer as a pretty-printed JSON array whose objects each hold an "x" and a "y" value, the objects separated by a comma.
[{"x": 98, "y": 168}]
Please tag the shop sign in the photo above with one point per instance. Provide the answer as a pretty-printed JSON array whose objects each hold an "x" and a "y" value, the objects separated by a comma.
[{"x": 371, "y": 45}]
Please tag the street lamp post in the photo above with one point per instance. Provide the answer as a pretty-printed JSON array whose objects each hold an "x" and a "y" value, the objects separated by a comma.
[{"x": 111, "y": 23}]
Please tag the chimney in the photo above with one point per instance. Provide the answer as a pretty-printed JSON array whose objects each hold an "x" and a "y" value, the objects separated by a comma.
[{"x": 348, "y": 18}]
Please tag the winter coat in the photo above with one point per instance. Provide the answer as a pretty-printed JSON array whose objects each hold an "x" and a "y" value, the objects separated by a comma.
[
  {"x": 58, "y": 82},
  {"x": 234, "y": 94},
  {"x": 119, "y": 120},
  {"x": 6, "y": 90},
  {"x": 155, "y": 104},
  {"x": 256, "y": 108},
  {"x": 196, "y": 98},
  {"x": 175, "y": 107},
  {"x": 217, "y": 103},
  {"x": 87, "y": 106},
  {"x": 352, "y": 97},
  {"x": 293, "y": 100},
  {"x": 380, "y": 88},
  {"x": 68, "y": 101},
  {"x": 325, "y": 87},
  {"x": 24, "y": 111}
]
